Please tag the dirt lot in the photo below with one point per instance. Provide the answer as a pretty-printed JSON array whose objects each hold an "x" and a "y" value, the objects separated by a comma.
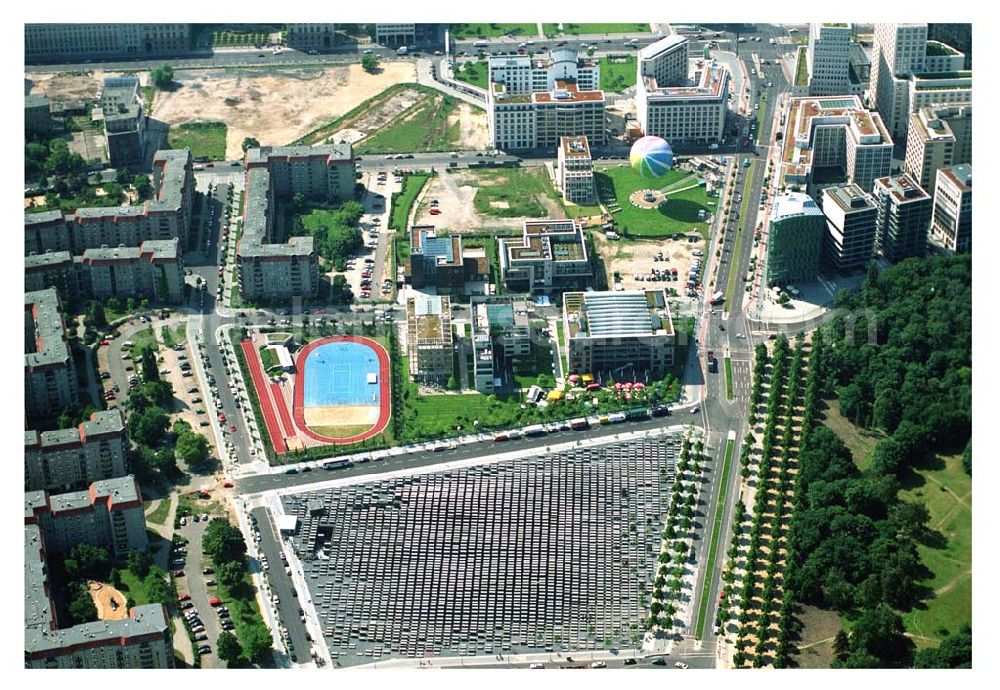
[
  {"x": 109, "y": 602},
  {"x": 82, "y": 86},
  {"x": 276, "y": 106},
  {"x": 632, "y": 258},
  {"x": 472, "y": 125}
]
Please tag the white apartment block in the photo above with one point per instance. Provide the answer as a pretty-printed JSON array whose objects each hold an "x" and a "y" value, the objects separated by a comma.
[
  {"x": 429, "y": 340},
  {"x": 952, "y": 216},
  {"x": 627, "y": 333},
  {"x": 851, "y": 222},
  {"x": 67, "y": 459},
  {"x": 575, "y": 168},
  {"x": 834, "y": 132},
  {"x": 904, "y": 217},
  {"x": 828, "y": 59},
  {"x": 692, "y": 114},
  {"x": 532, "y": 102},
  {"x": 938, "y": 137},
  {"x": 154, "y": 270},
  {"x": 50, "y": 384},
  {"x": 501, "y": 330},
  {"x": 69, "y": 42},
  {"x": 665, "y": 61},
  {"x": 549, "y": 255}
]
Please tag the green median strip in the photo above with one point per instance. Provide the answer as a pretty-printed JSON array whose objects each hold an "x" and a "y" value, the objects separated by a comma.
[
  {"x": 729, "y": 378},
  {"x": 735, "y": 261},
  {"x": 716, "y": 533}
]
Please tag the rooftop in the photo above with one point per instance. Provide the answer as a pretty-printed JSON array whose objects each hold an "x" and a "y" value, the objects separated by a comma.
[
  {"x": 902, "y": 188},
  {"x": 792, "y": 205},
  {"x": 939, "y": 48},
  {"x": 959, "y": 175},
  {"x": 267, "y": 154},
  {"x": 430, "y": 317},
  {"x": 154, "y": 250},
  {"x": 36, "y": 100},
  {"x": 42, "y": 310},
  {"x": 502, "y": 312},
  {"x": 546, "y": 240},
  {"x": 850, "y": 198},
  {"x": 575, "y": 147},
  {"x": 256, "y": 209},
  {"x": 46, "y": 260},
  {"x": 172, "y": 170},
  {"x": 566, "y": 91},
  {"x": 665, "y": 44},
  {"x": 626, "y": 313},
  {"x": 99, "y": 424}
]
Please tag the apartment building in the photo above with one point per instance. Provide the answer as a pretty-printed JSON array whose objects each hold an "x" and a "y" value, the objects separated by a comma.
[
  {"x": 429, "y": 340},
  {"x": 268, "y": 268},
  {"x": 69, "y": 459},
  {"x": 440, "y": 260},
  {"x": 46, "y": 231},
  {"x": 952, "y": 215},
  {"x": 52, "y": 269},
  {"x": 851, "y": 221},
  {"x": 665, "y": 62},
  {"x": 938, "y": 137},
  {"x": 796, "y": 227},
  {"x": 532, "y": 102},
  {"x": 575, "y": 170},
  {"x": 834, "y": 132},
  {"x": 694, "y": 113},
  {"x": 140, "y": 640},
  {"x": 124, "y": 120},
  {"x": 154, "y": 270},
  {"x": 829, "y": 59},
  {"x": 549, "y": 255},
  {"x": 310, "y": 36},
  {"x": 50, "y": 384},
  {"x": 37, "y": 114},
  {"x": 904, "y": 217},
  {"x": 74, "y": 42},
  {"x": 501, "y": 331}
]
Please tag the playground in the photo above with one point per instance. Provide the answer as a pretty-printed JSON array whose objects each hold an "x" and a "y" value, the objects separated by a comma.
[{"x": 109, "y": 602}]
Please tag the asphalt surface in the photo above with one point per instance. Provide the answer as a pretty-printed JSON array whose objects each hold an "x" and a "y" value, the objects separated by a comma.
[{"x": 194, "y": 584}]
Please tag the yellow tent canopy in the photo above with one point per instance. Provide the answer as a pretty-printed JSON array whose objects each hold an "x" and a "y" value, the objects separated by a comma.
[
  {"x": 554, "y": 396},
  {"x": 587, "y": 378}
]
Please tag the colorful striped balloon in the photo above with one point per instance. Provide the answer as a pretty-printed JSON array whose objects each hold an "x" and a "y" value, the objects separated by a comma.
[{"x": 651, "y": 157}]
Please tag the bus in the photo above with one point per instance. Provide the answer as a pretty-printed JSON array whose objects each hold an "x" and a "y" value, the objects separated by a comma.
[
  {"x": 336, "y": 464},
  {"x": 480, "y": 44},
  {"x": 534, "y": 430},
  {"x": 717, "y": 297},
  {"x": 579, "y": 424},
  {"x": 636, "y": 413}
]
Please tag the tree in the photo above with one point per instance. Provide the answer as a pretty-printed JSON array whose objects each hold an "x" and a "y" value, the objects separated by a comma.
[
  {"x": 81, "y": 606},
  {"x": 192, "y": 448},
  {"x": 249, "y": 143},
  {"x": 149, "y": 426},
  {"x": 841, "y": 647},
  {"x": 370, "y": 64},
  {"x": 162, "y": 76},
  {"x": 955, "y": 651},
  {"x": 87, "y": 562},
  {"x": 967, "y": 458},
  {"x": 156, "y": 586},
  {"x": 257, "y": 639},
  {"x": 224, "y": 542},
  {"x": 231, "y": 574},
  {"x": 142, "y": 186},
  {"x": 139, "y": 562},
  {"x": 879, "y": 636},
  {"x": 228, "y": 648},
  {"x": 452, "y": 384}
]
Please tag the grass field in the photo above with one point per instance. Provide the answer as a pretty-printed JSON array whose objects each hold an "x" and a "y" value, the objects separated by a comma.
[
  {"x": 341, "y": 431},
  {"x": 618, "y": 75},
  {"x": 159, "y": 514},
  {"x": 135, "y": 588},
  {"x": 422, "y": 127},
  {"x": 541, "y": 360},
  {"x": 205, "y": 139},
  {"x": 346, "y": 120},
  {"x": 142, "y": 340},
  {"x": 477, "y": 73},
  {"x": 513, "y": 192},
  {"x": 734, "y": 275},
  {"x": 243, "y": 612},
  {"x": 586, "y": 29},
  {"x": 412, "y": 184},
  {"x": 859, "y": 441},
  {"x": 679, "y": 215},
  {"x": 729, "y": 378},
  {"x": 467, "y": 31},
  {"x": 716, "y": 533}
]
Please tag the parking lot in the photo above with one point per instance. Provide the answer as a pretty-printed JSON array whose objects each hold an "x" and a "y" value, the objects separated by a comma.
[
  {"x": 642, "y": 264},
  {"x": 552, "y": 553}
]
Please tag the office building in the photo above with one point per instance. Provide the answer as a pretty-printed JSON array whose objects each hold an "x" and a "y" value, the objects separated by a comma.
[
  {"x": 440, "y": 260},
  {"x": 153, "y": 270},
  {"x": 851, "y": 220},
  {"x": 37, "y": 114},
  {"x": 52, "y": 269},
  {"x": 940, "y": 57},
  {"x": 124, "y": 120},
  {"x": 429, "y": 340},
  {"x": 549, "y": 255},
  {"x": 575, "y": 170},
  {"x": 684, "y": 112},
  {"x": 938, "y": 137},
  {"x": 69, "y": 459},
  {"x": 270, "y": 269},
  {"x": 75, "y": 42},
  {"x": 859, "y": 70},
  {"x": 829, "y": 59},
  {"x": 50, "y": 384},
  {"x": 952, "y": 215},
  {"x": 795, "y": 233},
  {"x": 904, "y": 217},
  {"x": 501, "y": 332},
  {"x": 396, "y": 35},
  {"x": 310, "y": 36},
  {"x": 897, "y": 51},
  {"x": 833, "y": 134},
  {"x": 665, "y": 62},
  {"x": 532, "y": 102},
  {"x": 627, "y": 335}
]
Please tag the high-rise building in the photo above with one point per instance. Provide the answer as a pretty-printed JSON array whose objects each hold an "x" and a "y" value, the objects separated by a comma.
[
  {"x": 938, "y": 137},
  {"x": 904, "y": 217},
  {"x": 575, "y": 170},
  {"x": 898, "y": 50},
  {"x": 429, "y": 340},
  {"x": 952, "y": 216},
  {"x": 53, "y": 270},
  {"x": 154, "y": 270},
  {"x": 795, "y": 233},
  {"x": 622, "y": 334},
  {"x": 68, "y": 459},
  {"x": 694, "y": 113},
  {"x": 549, "y": 255},
  {"x": 829, "y": 58},
  {"x": 37, "y": 114},
  {"x": 124, "y": 120},
  {"x": 50, "y": 384},
  {"x": 665, "y": 61},
  {"x": 851, "y": 220}
]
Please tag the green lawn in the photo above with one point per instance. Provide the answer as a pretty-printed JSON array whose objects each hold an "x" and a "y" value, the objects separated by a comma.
[
  {"x": 540, "y": 361},
  {"x": 734, "y": 275},
  {"x": 716, "y": 533},
  {"x": 205, "y": 139},
  {"x": 477, "y": 73},
  {"x": 729, "y": 378},
  {"x": 143, "y": 339},
  {"x": 135, "y": 588},
  {"x": 243, "y": 612},
  {"x": 801, "y": 69},
  {"x": 401, "y": 204},
  {"x": 159, "y": 515},
  {"x": 469, "y": 31},
  {"x": 618, "y": 75},
  {"x": 347, "y": 120},
  {"x": 513, "y": 193},
  {"x": 422, "y": 127},
  {"x": 678, "y": 216},
  {"x": 859, "y": 441},
  {"x": 562, "y": 346},
  {"x": 267, "y": 358},
  {"x": 586, "y": 29}
]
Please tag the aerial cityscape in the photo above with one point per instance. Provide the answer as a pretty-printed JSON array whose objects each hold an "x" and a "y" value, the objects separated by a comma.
[{"x": 498, "y": 345}]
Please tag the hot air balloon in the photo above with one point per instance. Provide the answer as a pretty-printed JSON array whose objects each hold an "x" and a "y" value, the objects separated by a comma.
[{"x": 651, "y": 157}]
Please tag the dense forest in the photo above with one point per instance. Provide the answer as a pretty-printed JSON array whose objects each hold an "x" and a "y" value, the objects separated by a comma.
[{"x": 853, "y": 545}]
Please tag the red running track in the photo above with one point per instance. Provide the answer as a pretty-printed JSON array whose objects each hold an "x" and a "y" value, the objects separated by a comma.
[
  {"x": 279, "y": 402},
  {"x": 385, "y": 394},
  {"x": 264, "y": 396}
]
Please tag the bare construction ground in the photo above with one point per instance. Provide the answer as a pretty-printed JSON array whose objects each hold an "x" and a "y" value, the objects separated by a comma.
[
  {"x": 636, "y": 258},
  {"x": 276, "y": 106},
  {"x": 72, "y": 86}
]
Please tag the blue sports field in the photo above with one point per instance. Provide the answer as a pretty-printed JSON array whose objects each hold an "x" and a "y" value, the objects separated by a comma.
[{"x": 337, "y": 374}]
